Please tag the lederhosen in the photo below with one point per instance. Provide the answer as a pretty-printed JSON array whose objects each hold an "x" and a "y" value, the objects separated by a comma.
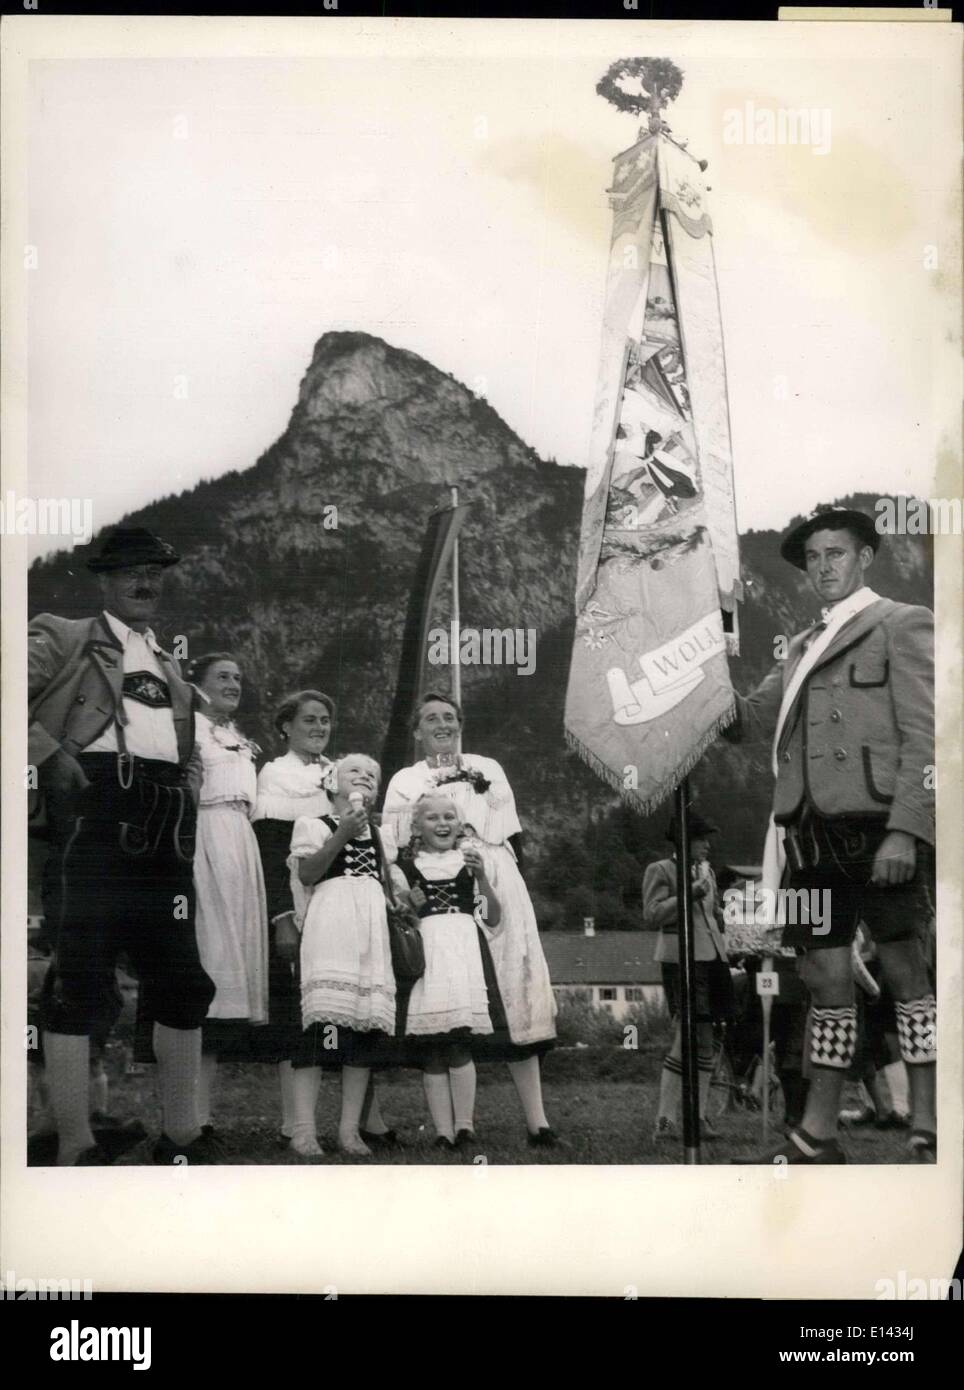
[
  {"x": 836, "y": 855},
  {"x": 120, "y": 878}
]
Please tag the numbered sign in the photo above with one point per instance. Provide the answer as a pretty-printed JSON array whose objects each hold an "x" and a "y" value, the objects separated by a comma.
[{"x": 768, "y": 982}]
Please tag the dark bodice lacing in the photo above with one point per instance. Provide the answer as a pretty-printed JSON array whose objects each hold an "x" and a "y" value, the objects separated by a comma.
[
  {"x": 356, "y": 859},
  {"x": 444, "y": 895}
]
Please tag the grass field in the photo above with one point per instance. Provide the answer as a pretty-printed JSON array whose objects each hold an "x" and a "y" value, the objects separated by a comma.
[{"x": 602, "y": 1102}]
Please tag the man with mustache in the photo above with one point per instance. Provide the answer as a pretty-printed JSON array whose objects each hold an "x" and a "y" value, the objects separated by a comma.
[
  {"x": 851, "y": 714},
  {"x": 112, "y": 741}
]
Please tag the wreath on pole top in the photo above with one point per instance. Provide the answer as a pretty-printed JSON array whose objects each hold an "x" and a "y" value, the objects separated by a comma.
[{"x": 658, "y": 80}]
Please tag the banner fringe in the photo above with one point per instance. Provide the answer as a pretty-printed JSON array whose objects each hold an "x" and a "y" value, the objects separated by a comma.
[{"x": 630, "y": 795}]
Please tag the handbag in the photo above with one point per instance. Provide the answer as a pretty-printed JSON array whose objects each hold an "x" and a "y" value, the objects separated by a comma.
[{"x": 404, "y": 933}]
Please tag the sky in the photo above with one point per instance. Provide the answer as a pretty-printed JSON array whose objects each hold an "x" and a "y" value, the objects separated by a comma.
[{"x": 200, "y": 221}]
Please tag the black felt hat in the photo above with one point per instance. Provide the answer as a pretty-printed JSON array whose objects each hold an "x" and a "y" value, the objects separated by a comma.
[
  {"x": 697, "y": 826},
  {"x": 827, "y": 519},
  {"x": 132, "y": 545}
]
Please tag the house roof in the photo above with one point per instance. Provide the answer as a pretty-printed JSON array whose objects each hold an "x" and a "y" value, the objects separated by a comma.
[{"x": 608, "y": 958}]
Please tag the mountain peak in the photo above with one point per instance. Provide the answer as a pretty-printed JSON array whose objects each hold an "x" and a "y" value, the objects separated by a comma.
[{"x": 364, "y": 399}]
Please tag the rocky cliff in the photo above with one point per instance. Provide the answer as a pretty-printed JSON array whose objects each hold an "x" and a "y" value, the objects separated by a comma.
[{"x": 375, "y": 439}]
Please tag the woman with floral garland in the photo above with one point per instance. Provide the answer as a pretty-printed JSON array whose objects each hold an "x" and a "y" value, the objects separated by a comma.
[
  {"x": 231, "y": 918},
  {"x": 517, "y": 977}
]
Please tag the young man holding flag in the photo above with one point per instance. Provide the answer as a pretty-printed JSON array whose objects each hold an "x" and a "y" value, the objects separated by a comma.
[{"x": 851, "y": 713}]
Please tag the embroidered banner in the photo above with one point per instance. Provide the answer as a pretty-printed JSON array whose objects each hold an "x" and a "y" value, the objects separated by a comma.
[{"x": 658, "y": 578}]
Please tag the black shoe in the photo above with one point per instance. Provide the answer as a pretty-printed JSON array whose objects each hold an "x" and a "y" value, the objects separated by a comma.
[
  {"x": 111, "y": 1140},
  {"x": 208, "y": 1131},
  {"x": 388, "y": 1139},
  {"x": 204, "y": 1149},
  {"x": 284, "y": 1140},
  {"x": 442, "y": 1143},
  {"x": 893, "y": 1121},
  {"x": 466, "y": 1138},
  {"x": 820, "y": 1152},
  {"x": 119, "y": 1137},
  {"x": 544, "y": 1138},
  {"x": 923, "y": 1146}
]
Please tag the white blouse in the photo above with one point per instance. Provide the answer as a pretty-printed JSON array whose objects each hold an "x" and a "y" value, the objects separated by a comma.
[
  {"x": 289, "y": 788},
  {"x": 228, "y": 759},
  {"x": 491, "y": 813}
]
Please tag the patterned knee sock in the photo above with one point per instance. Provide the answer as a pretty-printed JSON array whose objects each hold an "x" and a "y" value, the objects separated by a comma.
[
  {"x": 67, "y": 1060},
  {"x": 917, "y": 1030},
  {"x": 178, "y": 1053},
  {"x": 833, "y": 1036}
]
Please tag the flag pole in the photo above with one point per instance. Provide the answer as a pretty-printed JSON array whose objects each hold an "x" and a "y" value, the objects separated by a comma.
[
  {"x": 456, "y": 621},
  {"x": 767, "y": 1003},
  {"x": 687, "y": 967}
]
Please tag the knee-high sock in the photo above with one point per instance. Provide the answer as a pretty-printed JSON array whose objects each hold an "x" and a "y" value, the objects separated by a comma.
[
  {"x": 67, "y": 1060},
  {"x": 286, "y": 1076},
  {"x": 462, "y": 1086},
  {"x": 528, "y": 1083},
  {"x": 178, "y": 1053},
  {"x": 205, "y": 1087},
  {"x": 354, "y": 1084},
  {"x": 438, "y": 1095},
  {"x": 305, "y": 1084},
  {"x": 670, "y": 1088}
]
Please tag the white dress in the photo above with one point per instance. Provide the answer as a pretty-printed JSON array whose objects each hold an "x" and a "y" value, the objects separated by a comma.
[
  {"x": 346, "y": 963},
  {"x": 231, "y": 919},
  {"x": 451, "y": 994},
  {"x": 520, "y": 964}
]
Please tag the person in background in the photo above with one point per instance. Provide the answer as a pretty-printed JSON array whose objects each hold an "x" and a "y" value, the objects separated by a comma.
[
  {"x": 714, "y": 989},
  {"x": 232, "y": 925}
]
